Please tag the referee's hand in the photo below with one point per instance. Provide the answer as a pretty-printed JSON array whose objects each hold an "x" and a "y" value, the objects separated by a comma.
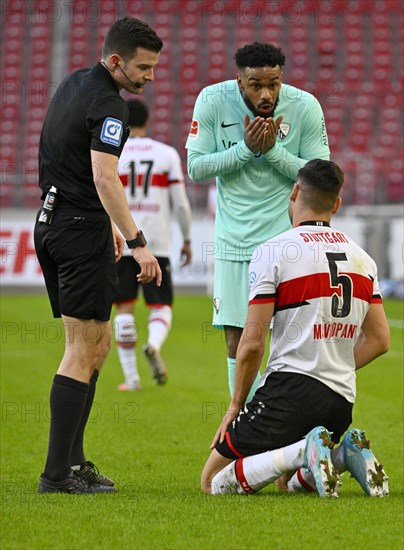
[
  {"x": 119, "y": 243},
  {"x": 149, "y": 266}
]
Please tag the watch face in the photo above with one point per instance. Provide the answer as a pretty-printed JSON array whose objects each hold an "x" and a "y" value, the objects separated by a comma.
[{"x": 141, "y": 239}]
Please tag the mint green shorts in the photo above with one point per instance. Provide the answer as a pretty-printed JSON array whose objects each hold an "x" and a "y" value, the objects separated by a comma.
[{"x": 230, "y": 293}]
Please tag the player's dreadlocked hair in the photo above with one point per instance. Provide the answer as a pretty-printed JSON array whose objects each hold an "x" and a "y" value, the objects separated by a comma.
[
  {"x": 321, "y": 182},
  {"x": 259, "y": 55},
  {"x": 128, "y": 34}
]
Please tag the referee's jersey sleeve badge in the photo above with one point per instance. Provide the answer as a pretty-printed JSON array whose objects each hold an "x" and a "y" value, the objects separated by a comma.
[{"x": 111, "y": 132}]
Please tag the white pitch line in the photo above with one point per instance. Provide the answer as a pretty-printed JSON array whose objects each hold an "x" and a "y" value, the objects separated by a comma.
[{"x": 395, "y": 323}]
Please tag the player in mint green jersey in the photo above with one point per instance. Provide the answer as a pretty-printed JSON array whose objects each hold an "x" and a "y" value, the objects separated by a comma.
[{"x": 253, "y": 134}]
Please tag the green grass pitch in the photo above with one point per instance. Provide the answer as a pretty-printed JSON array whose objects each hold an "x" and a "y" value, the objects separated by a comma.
[{"x": 154, "y": 443}]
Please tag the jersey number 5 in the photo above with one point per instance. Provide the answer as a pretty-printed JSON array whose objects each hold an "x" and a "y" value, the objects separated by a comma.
[
  {"x": 146, "y": 177},
  {"x": 340, "y": 306}
]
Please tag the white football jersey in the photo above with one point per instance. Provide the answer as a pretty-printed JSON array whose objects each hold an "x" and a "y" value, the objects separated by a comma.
[
  {"x": 152, "y": 175},
  {"x": 322, "y": 284}
]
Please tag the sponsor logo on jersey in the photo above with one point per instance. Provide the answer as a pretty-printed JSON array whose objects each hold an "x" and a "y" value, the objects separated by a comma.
[
  {"x": 193, "y": 131},
  {"x": 111, "y": 132},
  {"x": 224, "y": 125},
  {"x": 324, "y": 133},
  {"x": 229, "y": 144},
  {"x": 216, "y": 304},
  {"x": 283, "y": 130}
]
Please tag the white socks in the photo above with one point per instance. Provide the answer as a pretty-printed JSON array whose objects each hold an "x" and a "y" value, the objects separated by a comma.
[
  {"x": 294, "y": 455},
  {"x": 125, "y": 333},
  {"x": 125, "y": 329},
  {"x": 160, "y": 319},
  {"x": 225, "y": 482},
  {"x": 252, "y": 473},
  {"x": 127, "y": 357},
  {"x": 302, "y": 480},
  {"x": 159, "y": 324}
]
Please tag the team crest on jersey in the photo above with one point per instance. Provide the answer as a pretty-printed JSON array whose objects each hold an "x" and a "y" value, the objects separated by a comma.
[
  {"x": 216, "y": 304},
  {"x": 283, "y": 130},
  {"x": 193, "y": 131},
  {"x": 111, "y": 132}
]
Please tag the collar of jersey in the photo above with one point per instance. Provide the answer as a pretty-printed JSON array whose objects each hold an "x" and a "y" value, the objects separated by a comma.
[
  {"x": 101, "y": 70},
  {"x": 314, "y": 222}
]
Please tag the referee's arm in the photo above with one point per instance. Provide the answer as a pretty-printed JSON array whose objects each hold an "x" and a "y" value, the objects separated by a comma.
[
  {"x": 112, "y": 196},
  {"x": 111, "y": 192}
]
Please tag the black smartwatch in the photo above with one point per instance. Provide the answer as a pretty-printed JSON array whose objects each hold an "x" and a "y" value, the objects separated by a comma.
[{"x": 138, "y": 241}]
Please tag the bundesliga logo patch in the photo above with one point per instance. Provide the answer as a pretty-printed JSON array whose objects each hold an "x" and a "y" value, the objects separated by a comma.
[
  {"x": 111, "y": 132},
  {"x": 193, "y": 131}
]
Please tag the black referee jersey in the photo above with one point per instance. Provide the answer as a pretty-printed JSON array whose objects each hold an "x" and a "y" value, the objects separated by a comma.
[{"x": 85, "y": 113}]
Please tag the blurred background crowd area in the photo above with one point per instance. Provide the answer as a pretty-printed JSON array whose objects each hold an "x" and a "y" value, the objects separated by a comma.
[{"x": 348, "y": 53}]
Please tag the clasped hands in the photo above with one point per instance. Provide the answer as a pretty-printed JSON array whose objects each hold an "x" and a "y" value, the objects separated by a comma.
[{"x": 260, "y": 133}]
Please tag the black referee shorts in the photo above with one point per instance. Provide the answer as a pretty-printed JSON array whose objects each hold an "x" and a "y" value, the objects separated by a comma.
[
  {"x": 282, "y": 412},
  {"x": 128, "y": 286},
  {"x": 76, "y": 254}
]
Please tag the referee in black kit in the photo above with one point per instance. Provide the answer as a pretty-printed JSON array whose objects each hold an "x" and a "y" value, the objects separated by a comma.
[{"x": 76, "y": 238}]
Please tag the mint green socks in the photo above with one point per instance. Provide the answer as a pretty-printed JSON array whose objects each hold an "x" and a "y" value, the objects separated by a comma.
[{"x": 231, "y": 369}]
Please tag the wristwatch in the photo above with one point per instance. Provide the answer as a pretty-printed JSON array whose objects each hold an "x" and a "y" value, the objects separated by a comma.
[{"x": 139, "y": 241}]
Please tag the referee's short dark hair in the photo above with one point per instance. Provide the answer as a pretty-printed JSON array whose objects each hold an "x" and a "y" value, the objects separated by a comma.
[
  {"x": 128, "y": 34},
  {"x": 138, "y": 113},
  {"x": 321, "y": 182}
]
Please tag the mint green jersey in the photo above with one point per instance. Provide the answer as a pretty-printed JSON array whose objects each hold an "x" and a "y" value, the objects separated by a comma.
[{"x": 252, "y": 189}]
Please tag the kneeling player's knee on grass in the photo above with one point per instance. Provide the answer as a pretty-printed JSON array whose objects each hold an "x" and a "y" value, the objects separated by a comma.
[
  {"x": 206, "y": 480},
  {"x": 206, "y": 486}
]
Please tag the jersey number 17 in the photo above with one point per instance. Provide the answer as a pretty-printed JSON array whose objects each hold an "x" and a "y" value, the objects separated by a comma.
[{"x": 146, "y": 176}]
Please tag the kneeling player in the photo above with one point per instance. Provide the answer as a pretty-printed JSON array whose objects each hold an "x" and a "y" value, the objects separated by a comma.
[{"x": 304, "y": 403}]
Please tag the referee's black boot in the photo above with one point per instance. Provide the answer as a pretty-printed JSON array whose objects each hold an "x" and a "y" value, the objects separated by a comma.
[
  {"x": 91, "y": 475},
  {"x": 73, "y": 485}
]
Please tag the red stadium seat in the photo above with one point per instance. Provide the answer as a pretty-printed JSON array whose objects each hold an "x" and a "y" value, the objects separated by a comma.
[
  {"x": 359, "y": 6},
  {"x": 395, "y": 181},
  {"x": 272, "y": 32},
  {"x": 6, "y": 195},
  {"x": 243, "y": 34}
]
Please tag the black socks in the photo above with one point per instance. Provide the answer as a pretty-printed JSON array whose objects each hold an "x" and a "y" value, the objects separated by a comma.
[
  {"x": 77, "y": 454},
  {"x": 68, "y": 400}
]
